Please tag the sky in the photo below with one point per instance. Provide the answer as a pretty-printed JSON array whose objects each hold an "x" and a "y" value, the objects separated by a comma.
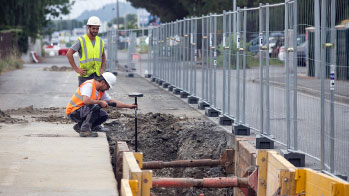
[{"x": 81, "y": 5}]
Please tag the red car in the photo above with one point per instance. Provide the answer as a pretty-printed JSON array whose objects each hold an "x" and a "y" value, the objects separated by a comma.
[{"x": 63, "y": 51}]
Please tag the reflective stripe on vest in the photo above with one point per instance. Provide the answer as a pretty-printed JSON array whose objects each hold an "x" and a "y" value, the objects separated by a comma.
[
  {"x": 76, "y": 101},
  {"x": 91, "y": 58}
]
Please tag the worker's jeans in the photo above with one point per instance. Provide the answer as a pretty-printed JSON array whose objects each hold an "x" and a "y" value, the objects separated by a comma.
[
  {"x": 87, "y": 118},
  {"x": 84, "y": 79}
]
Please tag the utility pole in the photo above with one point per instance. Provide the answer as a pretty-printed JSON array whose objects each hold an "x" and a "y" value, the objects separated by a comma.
[{"x": 117, "y": 13}]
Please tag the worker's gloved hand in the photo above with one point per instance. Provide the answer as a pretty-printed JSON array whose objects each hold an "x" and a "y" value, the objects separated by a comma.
[
  {"x": 102, "y": 103},
  {"x": 133, "y": 106}
]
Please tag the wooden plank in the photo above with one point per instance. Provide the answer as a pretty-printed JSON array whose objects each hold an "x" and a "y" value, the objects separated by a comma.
[
  {"x": 146, "y": 182},
  {"x": 125, "y": 188},
  {"x": 316, "y": 183},
  {"x": 262, "y": 163},
  {"x": 134, "y": 186},
  {"x": 131, "y": 170},
  {"x": 287, "y": 182},
  {"x": 139, "y": 158},
  {"x": 276, "y": 163}
]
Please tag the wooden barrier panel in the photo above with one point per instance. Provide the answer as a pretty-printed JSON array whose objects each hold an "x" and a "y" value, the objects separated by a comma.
[
  {"x": 276, "y": 176},
  {"x": 131, "y": 170},
  {"x": 313, "y": 183},
  {"x": 125, "y": 188}
]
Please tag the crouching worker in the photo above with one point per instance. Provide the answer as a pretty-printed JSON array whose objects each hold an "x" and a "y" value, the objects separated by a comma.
[{"x": 84, "y": 108}]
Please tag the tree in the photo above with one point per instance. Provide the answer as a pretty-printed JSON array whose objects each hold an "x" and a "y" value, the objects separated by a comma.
[
  {"x": 170, "y": 10},
  {"x": 30, "y": 16}
]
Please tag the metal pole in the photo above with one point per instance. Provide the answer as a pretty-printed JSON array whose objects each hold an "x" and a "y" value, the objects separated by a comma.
[
  {"x": 237, "y": 33},
  {"x": 208, "y": 54},
  {"x": 215, "y": 62},
  {"x": 229, "y": 63},
  {"x": 224, "y": 61},
  {"x": 323, "y": 76},
  {"x": 136, "y": 132},
  {"x": 261, "y": 65},
  {"x": 202, "y": 56},
  {"x": 267, "y": 72},
  {"x": 243, "y": 114},
  {"x": 333, "y": 68},
  {"x": 288, "y": 117},
  {"x": 195, "y": 52},
  {"x": 295, "y": 63},
  {"x": 211, "y": 58}
]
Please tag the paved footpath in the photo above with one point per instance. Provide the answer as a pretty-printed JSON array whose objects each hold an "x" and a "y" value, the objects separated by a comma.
[{"x": 40, "y": 158}]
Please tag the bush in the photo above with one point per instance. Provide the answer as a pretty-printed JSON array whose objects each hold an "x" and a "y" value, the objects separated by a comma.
[{"x": 11, "y": 62}]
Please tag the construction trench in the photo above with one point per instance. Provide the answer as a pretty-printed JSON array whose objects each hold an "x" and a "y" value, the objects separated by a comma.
[{"x": 189, "y": 156}]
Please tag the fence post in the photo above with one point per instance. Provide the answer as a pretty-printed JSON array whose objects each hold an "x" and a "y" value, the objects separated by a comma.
[
  {"x": 243, "y": 116},
  {"x": 237, "y": 33},
  {"x": 295, "y": 64},
  {"x": 287, "y": 79},
  {"x": 261, "y": 66},
  {"x": 322, "y": 77},
  {"x": 267, "y": 73},
  {"x": 224, "y": 63}
]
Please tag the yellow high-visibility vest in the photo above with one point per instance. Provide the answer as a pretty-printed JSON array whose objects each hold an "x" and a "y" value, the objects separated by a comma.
[
  {"x": 76, "y": 101},
  {"x": 91, "y": 58}
]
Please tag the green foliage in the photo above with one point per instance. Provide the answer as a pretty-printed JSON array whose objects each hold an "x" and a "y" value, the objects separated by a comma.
[
  {"x": 30, "y": 16},
  {"x": 170, "y": 10},
  {"x": 10, "y": 62}
]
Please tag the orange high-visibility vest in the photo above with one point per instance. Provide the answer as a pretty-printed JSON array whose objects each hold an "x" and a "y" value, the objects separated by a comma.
[{"x": 76, "y": 101}]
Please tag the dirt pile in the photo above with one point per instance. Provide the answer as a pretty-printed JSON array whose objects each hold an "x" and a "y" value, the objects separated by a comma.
[
  {"x": 165, "y": 137},
  {"x": 52, "y": 114},
  {"x": 7, "y": 119},
  {"x": 57, "y": 68}
]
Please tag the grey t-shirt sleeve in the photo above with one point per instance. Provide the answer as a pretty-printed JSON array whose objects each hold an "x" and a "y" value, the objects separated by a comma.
[{"x": 77, "y": 47}]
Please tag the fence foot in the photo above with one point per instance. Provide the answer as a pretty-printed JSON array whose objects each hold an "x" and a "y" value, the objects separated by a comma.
[
  {"x": 202, "y": 105},
  {"x": 239, "y": 129},
  {"x": 160, "y": 82},
  {"x": 264, "y": 143},
  {"x": 147, "y": 75},
  {"x": 165, "y": 85},
  {"x": 171, "y": 87},
  {"x": 225, "y": 120},
  {"x": 296, "y": 158},
  {"x": 193, "y": 100},
  {"x": 176, "y": 91},
  {"x": 153, "y": 79},
  {"x": 130, "y": 75},
  {"x": 184, "y": 94},
  {"x": 342, "y": 177},
  {"x": 211, "y": 112}
]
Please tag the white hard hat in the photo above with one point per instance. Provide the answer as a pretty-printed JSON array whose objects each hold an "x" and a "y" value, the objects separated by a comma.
[
  {"x": 94, "y": 20},
  {"x": 109, "y": 78}
]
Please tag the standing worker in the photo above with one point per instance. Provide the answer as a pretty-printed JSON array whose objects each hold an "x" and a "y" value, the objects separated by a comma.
[
  {"x": 91, "y": 52},
  {"x": 84, "y": 108}
]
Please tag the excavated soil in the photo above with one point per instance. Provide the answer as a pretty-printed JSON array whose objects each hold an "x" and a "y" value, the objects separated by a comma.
[
  {"x": 161, "y": 137},
  {"x": 57, "y": 68},
  {"x": 23, "y": 115},
  {"x": 166, "y": 137}
]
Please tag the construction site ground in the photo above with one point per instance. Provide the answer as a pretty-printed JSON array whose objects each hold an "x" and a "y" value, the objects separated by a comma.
[{"x": 41, "y": 154}]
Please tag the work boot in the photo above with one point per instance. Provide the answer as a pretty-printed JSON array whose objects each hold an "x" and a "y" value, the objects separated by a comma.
[
  {"x": 88, "y": 134},
  {"x": 76, "y": 127},
  {"x": 99, "y": 128}
]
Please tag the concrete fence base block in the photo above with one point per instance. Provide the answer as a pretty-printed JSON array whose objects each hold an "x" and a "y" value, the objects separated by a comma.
[
  {"x": 147, "y": 75},
  {"x": 225, "y": 120},
  {"x": 296, "y": 158},
  {"x": 241, "y": 130},
  {"x": 211, "y": 112},
  {"x": 264, "y": 143},
  {"x": 165, "y": 85},
  {"x": 153, "y": 79},
  {"x": 160, "y": 82},
  {"x": 193, "y": 100},
  {"x": 203, "y": 105},
  {"x": 171, "y": 87},
  {"x": 184, "y": 94},
  {"x": 131, "y": 75},
  {"x": 176, "y": 91},
  {"x": 343, "y": 177}
]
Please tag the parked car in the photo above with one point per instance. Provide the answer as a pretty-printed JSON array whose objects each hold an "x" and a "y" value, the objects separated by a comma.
[{"x": 301, "y": 54}]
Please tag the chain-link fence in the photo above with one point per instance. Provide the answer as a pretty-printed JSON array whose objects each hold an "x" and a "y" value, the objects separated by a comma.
[{"x": 279, "y": 69}]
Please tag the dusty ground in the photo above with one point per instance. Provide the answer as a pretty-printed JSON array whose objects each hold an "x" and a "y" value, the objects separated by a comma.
[
  {"x": 166, "y": 137},
  {"x": 58, "y": 68},
  {"x": 162, "y": 137}
]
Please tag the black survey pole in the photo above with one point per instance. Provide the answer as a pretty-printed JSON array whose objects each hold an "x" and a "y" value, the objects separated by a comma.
[{"x": 135, "y": 95}]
